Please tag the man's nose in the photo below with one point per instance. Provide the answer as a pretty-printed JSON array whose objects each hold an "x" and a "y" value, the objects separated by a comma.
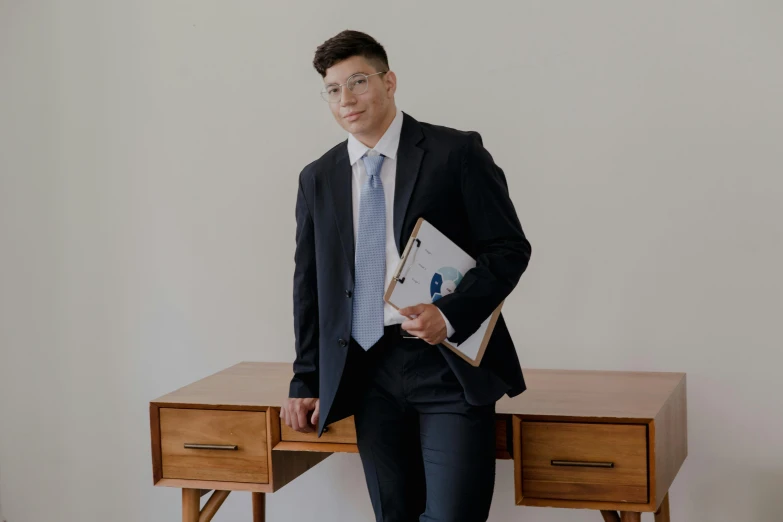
[{"x": 346, "y": 96}]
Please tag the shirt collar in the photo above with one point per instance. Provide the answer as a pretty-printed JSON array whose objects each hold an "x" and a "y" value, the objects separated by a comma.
[{"x": 387, "y": 145}]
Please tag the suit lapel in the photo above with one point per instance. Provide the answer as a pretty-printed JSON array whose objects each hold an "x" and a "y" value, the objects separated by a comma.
[
  {"x": 409, "y": 156},
  {"x": 341, "y": 186}
]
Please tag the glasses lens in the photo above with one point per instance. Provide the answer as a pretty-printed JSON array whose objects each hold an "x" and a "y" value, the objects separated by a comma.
[
  {"x": 331, "y": 93},
  {"x": 358, "y": 83}
]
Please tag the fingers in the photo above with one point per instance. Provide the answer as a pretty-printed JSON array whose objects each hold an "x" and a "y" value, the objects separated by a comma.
[
  {"x": 427, "y": 324},
  {"x": 412, "y": 325},
  {"x": 412, "y": 310},
  {"x": 284, "y": 416},
  {"x": 430, "y": 333},
  {"x": 295, "y": 413},
  {"x": 424, "y": 335},
  {"x": 316, "y": 413},
  {"x": 300, "y": 419},
  {"x": 420, "y": 327}
]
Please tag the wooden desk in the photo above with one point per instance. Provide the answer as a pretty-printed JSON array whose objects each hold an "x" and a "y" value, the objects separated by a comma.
[{"x": 609, "y": 441}]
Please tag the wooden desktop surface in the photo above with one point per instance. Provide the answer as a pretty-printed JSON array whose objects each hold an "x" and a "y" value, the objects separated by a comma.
[{"x": 611, "y": 395}]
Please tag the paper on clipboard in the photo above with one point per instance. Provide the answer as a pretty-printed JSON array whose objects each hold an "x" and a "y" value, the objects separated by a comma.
[{"x": 431, "y": 267}]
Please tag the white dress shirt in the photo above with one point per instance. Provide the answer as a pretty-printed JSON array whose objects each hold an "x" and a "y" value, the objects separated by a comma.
[{"x": 387, "y": 146}]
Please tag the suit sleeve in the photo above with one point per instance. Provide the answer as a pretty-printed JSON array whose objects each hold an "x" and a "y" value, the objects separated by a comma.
[
  {"x": 449, "y": 328},
  {"x": 503, "y": 250},
  {"x": 304, "y": 384}
]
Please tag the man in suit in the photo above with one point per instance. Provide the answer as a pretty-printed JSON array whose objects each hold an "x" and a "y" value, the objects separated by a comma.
[{"x": 425, "y": 418}]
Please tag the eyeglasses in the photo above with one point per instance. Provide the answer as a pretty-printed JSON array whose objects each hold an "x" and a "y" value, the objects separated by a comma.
[{"x": 356, "y": 83}]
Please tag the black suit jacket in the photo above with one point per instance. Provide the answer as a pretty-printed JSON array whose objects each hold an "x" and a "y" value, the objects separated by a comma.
[{"x": 447, "y": 177}]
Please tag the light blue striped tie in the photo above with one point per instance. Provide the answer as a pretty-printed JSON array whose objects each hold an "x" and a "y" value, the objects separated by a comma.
[{"x": 367, "y": 326}]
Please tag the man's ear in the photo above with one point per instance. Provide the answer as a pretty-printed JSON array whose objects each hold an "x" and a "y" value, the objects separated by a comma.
[{"x": 390, "y": 80}]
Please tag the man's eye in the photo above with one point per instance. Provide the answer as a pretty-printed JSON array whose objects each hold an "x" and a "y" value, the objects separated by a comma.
[
  {"x": 359, "y": 82},
  {"x": 331, "y": 90}
]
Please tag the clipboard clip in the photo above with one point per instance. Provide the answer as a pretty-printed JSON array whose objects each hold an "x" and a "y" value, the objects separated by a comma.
[{"x": 404, "y": 262}]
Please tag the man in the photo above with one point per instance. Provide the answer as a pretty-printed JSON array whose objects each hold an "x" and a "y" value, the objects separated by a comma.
[{"x": 425, "y": 418}]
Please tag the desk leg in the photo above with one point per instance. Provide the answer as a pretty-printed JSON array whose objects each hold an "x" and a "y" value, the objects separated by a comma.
[
  {"x": 191, "y": 504},
  {"x": 610, "y": 516},
  {"x": 191, "y": 499},
  {"x": 662, "y": 515},
  {"x": 259, "y": 507},
  {"x": 630, "y": 516}
]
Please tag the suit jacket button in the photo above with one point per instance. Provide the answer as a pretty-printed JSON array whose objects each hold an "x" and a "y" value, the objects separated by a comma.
[
  {"x": 343, "y": 343},
  {"x": 348, "y": 294}
]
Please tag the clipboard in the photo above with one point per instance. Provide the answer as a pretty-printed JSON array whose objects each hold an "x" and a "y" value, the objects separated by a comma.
[{"x": 431, "y": 267}]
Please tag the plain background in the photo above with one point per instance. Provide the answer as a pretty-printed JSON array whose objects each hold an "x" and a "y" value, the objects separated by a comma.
[{"x": 149, "y": 154}]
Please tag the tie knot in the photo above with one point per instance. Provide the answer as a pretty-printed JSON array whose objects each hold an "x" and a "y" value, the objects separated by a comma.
[{"x": 373, "y": 164}]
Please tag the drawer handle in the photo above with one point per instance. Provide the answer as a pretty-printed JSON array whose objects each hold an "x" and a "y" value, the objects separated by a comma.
[
  {"x": 580, "y": 464},
  {"x": 230, "y": 447}
]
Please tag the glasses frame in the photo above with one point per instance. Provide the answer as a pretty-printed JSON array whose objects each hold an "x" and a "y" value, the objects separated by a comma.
[{"x": 324, "y": 94}]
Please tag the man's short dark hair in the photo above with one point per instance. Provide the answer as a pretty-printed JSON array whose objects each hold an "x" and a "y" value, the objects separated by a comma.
[{"x": 346, "y": 45}]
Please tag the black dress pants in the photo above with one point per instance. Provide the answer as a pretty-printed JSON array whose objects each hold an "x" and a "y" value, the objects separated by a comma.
[{"x": 427, "y": 454}]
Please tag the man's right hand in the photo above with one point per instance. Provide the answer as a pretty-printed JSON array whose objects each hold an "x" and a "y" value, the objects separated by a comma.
[{"x": 295, "y": 413}]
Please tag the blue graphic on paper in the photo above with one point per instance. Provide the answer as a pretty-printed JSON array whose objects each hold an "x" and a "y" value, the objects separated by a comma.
[{"x": 444, "y": 282}]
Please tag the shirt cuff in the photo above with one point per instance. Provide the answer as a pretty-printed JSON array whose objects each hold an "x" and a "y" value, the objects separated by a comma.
[{"x": 449, "y": 328}]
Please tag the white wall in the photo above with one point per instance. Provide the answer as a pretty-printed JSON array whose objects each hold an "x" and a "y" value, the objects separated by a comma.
[{"x": 149, "y": 153}]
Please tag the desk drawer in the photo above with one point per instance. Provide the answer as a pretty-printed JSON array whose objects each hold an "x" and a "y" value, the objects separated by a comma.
[
  {"x": 575, "y": 461},
  {"x": 231, "y": 445},
  {"x": 340, "y": 432}
]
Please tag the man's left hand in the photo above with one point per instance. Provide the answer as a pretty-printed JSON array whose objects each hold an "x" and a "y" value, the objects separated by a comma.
[{"x": 428, "y": 323}]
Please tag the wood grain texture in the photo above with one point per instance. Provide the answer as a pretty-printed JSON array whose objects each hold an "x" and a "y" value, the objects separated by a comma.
[
  {"x": 273, "y": 430},
  {"x": 671, "y": 440},
  {"x": 343, "y": 438},
  {"x": 340, "y": 432},
  {"x": 502, "y": 437},
  {"x": 516, "y": 445},
  {"x": 655, "y": 401},
  {"x": 328, "y": 447},
  {"x": 662, "y": 514},
  {"x": 630, "y": 516},
  {"x": 585, "y": 504},
  {"x": 190, "y": 505},
  {"x": 247, "y": 430},
  {"x": 213, "y": 504},
  {"x": 287, "y": 465},
  {"x": 214, "y": 484},
  {"x": 157, "y": 465},
  {"x": 550, "y": 393},
  {"x": 253, "y": 385},
  {"x": 259, "y": 507},
  {"x": 623, "y": 445},
  {"x": 597, "y": 395}
]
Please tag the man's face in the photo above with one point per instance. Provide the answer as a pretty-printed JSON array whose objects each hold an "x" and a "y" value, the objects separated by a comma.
[{"x": 367, "y": 113}]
